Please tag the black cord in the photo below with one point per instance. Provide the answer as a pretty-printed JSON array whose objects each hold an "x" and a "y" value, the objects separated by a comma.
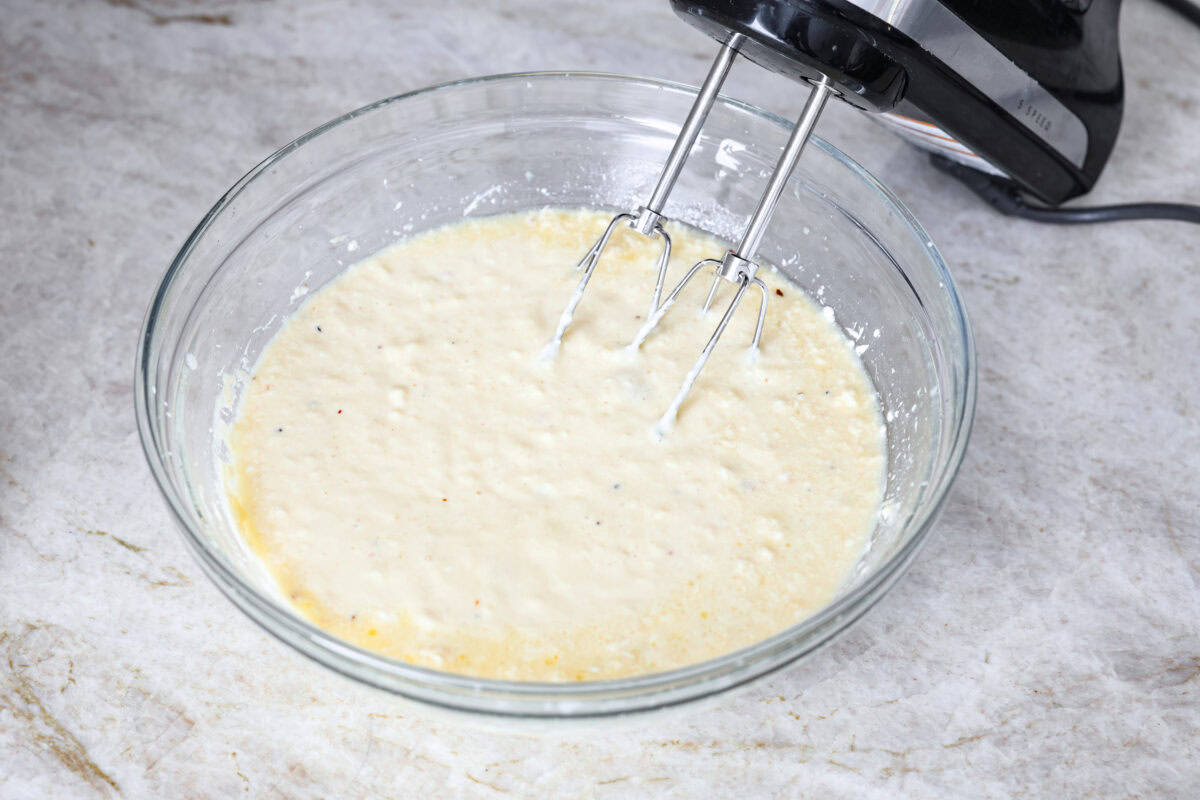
[
  {"x": 1003, "y": 196},
  {"x": 1184, "y": 7}
]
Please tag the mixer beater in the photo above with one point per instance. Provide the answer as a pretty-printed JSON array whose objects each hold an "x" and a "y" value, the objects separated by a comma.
[
  {"x": 648, "y": 220},
  {"x": 737, "y": 266}
]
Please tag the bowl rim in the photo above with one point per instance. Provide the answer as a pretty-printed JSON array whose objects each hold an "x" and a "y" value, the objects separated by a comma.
[{"x": 526, "y": 699}]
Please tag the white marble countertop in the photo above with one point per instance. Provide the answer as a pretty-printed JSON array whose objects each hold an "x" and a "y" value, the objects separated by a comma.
[{"x": 1046, "y": 642}]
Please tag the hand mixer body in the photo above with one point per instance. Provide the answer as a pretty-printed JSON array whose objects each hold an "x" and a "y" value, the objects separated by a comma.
[{"x": 1028, "y": 89}]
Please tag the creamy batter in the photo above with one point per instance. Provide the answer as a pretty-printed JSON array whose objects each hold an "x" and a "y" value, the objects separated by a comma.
[{"x": 422, "y": 483}]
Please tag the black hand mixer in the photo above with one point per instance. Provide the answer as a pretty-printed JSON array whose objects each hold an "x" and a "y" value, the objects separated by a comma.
[{"x": 1025, "y": 92}]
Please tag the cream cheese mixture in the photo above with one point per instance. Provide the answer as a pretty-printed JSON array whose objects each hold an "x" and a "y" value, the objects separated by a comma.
[{"x": 421, "y": 482}]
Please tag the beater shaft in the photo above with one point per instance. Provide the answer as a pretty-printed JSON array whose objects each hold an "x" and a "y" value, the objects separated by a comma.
[
  {"x": 757, "y": 228},
  {"x": 694, "y": 122},
  {"x": 738, "y": 266}
]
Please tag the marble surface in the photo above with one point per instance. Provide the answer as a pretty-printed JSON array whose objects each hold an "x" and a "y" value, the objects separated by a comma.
[{"x": 1046, "y": 642}]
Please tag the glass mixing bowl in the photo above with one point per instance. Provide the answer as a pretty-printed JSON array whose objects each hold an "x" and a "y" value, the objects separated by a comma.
[{"x": 506, "y": 143}]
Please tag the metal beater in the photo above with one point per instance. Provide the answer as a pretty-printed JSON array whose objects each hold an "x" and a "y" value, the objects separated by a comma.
[
  {"x": 648, "y": 220},
  {"x": 737, "y": 266}
]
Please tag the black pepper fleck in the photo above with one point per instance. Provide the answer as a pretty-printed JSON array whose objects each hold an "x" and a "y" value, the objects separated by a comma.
[
  {"x": 319, "y": 329},
  {"x": 779, "y": 292},
  {"x": 279, "y": 430}
]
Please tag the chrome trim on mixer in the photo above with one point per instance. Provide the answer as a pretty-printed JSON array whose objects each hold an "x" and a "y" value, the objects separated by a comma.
[
  {"x": 920, "y": 132},
  {"x": 944, "y": 35}
]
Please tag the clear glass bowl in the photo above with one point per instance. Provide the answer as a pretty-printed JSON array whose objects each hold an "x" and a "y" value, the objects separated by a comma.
[{"x": 512, "y": 142}]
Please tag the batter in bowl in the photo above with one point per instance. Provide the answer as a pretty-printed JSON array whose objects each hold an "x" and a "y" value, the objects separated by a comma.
[{"x": 422, "y": 483}]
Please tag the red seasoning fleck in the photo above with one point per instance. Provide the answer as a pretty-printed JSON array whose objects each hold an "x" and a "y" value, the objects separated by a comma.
[{"x": 339, "y": 411}]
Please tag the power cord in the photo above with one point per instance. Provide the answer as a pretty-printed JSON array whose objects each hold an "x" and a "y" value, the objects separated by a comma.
[
  {"x": 1185, "y": 8},
  {"x": 1005, "y": 198}
]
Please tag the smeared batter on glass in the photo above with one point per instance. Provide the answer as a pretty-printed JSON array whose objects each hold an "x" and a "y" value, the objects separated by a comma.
[{"x": 422, "y": 484}]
